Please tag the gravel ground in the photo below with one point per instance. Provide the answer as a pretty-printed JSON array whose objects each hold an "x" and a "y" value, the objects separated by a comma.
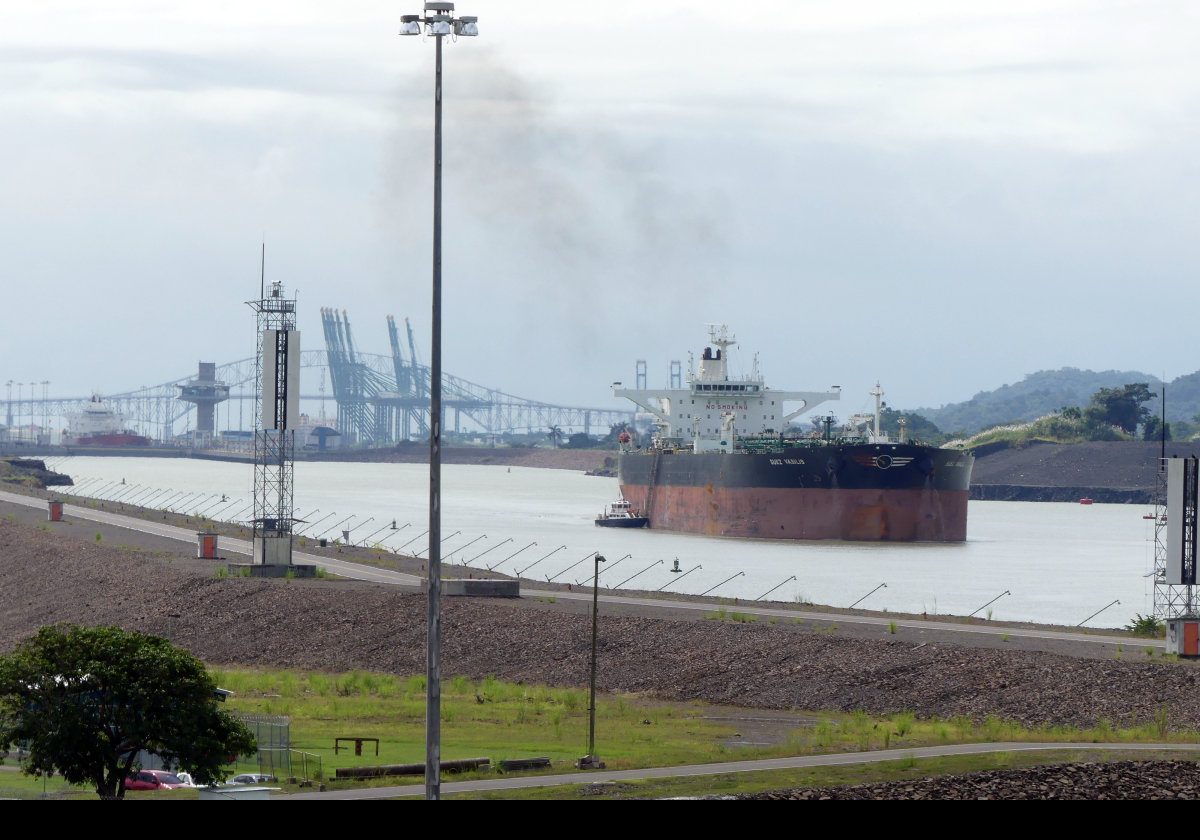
[
  {"x": 46, "y": 577},
  {"x": 1085, "y": 780},
  {"x": 1115, "y": 464}
]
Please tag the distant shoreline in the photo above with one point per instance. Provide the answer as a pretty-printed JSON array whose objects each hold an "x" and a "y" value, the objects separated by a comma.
[
  {"x": 561, "y": 459},
  {"x": 1108, "y": 473}
]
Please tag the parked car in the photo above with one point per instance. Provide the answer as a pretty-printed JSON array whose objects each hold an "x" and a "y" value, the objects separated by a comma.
[
  {"x": 251, "y": 779},
  {"x": 153, "y": 780}
]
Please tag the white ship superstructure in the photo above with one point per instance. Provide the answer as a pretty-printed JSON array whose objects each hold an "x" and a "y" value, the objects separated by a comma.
[
  {"x": 97, "y": 418},
  {"x": 715, "y": 408}
]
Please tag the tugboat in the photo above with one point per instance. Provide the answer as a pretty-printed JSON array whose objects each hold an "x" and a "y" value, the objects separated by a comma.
[{"x": 621, "y": 515}]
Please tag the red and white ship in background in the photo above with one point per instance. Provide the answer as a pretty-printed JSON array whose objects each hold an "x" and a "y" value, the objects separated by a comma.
[{"x": 99, "y": 425}]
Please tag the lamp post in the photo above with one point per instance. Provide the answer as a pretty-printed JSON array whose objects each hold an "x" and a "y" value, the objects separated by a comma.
[
  {"x": 438, "y": 22},
  {"x": 589, "y": 761},
  {"x": 989, "y": 603}
]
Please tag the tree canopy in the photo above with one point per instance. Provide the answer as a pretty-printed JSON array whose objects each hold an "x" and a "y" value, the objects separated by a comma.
[
  {"x": 1040, "y": 393},
  {"x": 1156, "y": 430},
  {"x": 89, "y": 699},
  {"x": 1121, "y": 407},
  {"x": 917, "y": 427}
]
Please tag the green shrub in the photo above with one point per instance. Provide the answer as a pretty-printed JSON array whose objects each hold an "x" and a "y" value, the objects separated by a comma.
[
  {"x": 1147, "y": 625},
  {"x": 903, "y": 723}
]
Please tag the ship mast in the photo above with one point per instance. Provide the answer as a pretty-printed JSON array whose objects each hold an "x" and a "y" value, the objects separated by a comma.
[
  {"x": 878, "y": 395},
  {"x": 719, "y": 336}
]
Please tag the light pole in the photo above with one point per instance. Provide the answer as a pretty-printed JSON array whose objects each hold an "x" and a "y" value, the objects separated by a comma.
[
  {"x": 438, "y": 22},
  {"x": 589, "y": 761},
  {"x": 989, "y": 603}
]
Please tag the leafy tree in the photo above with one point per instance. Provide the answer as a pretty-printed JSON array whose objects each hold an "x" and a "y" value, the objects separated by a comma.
[
  {"x": 88, "y": 699},
  {"x": 917, "y": 427},
  {"x": 1121, "y": 407},
  {"x": 613, "y": 438},
  {"x": 1147, "y": 625},
  {"x": 1153, "y": 430}
]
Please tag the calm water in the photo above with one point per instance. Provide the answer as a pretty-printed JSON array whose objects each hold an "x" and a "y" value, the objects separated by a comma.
[{"x": 1061, "y": 562}]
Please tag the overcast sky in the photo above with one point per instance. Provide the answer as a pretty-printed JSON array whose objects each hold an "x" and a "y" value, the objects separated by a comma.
[{"x": 943, "y": 196}]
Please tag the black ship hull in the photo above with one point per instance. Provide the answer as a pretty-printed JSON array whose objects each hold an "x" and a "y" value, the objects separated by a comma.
[
  {"x": 868, "y": 492},
  {"x": 622, "y": 522}
]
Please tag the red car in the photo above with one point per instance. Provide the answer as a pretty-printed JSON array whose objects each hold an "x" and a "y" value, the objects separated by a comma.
[{"x": 153, "y": 780}]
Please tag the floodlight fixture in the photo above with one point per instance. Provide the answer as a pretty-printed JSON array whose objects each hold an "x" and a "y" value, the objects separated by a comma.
[{"x": 438, "y": 21}]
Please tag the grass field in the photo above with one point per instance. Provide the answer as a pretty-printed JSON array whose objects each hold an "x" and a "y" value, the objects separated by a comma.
[{"x": 498, "y": 720}]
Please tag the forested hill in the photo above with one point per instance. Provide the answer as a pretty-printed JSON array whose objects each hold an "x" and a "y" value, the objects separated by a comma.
[{"x": 1040, "y": 393}]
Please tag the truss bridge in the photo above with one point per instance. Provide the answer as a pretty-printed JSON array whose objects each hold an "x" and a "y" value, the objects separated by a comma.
[{"x": 380, "y": 399}]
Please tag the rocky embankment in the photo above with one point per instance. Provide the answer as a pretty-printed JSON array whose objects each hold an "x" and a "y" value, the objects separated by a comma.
[
  {"x": 1117, "y": 472},
  {"x": 1107, "y": 472},
  {"x": 1085, "y": 780},
  {"x": 336, "y": 625},
  {"x": 31, "y": 473}
]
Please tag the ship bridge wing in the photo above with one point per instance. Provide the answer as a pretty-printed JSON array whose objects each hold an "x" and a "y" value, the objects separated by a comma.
[
  {"x": 657, "y": 403},
  {"x": 811, "y": 400}
]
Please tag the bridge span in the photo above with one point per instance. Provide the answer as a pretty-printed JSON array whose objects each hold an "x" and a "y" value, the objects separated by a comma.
[{"x": 378, "y": 399}]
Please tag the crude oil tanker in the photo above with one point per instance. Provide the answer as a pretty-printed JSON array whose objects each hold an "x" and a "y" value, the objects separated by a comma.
[
  {"x": 721, "y": 464},
  {"x": 99, "y": 425}
]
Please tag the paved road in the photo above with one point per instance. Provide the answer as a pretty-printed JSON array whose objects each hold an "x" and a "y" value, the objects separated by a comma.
[
  {"x": 358, "y": 571},
  {"x": 876, "y": 621},
  {"x": 594, "y": 776}
]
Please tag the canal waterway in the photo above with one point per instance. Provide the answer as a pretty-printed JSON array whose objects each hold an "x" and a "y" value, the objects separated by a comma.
[{"x": 1060, "y": 562}]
